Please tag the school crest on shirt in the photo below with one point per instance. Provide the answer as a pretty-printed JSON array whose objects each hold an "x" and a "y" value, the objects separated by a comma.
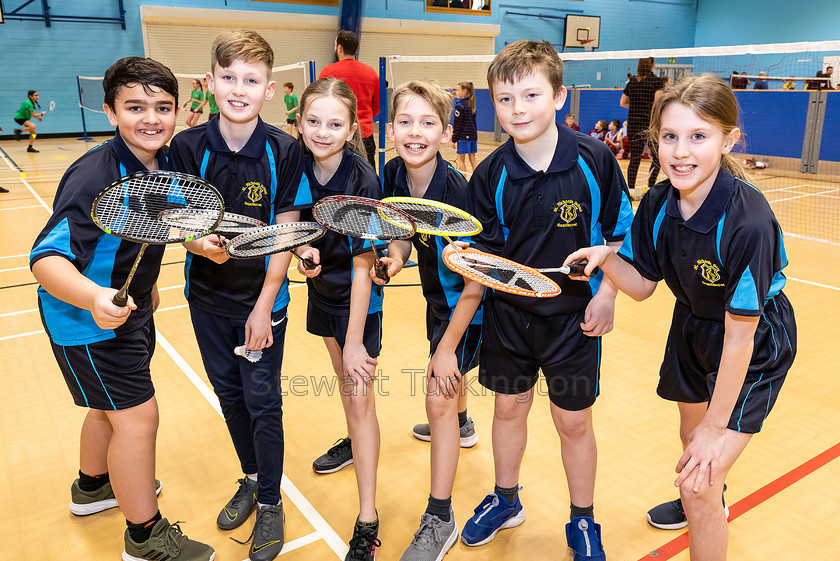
[
  {"x": 255, "y": 191},
  {"x": 424, "y": 239},
  {"x": 567, "y": 211},
  {"x": 709, "y": 272}
]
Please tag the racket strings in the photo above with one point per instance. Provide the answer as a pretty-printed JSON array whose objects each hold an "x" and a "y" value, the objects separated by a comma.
[
  {"x": 441, "y": 222},
  {"x": 501, "y": 272},
  {"x": 274, "y": 239},
  {"x": 363, "y": 220},
  {"x": 134, "y": 208}
]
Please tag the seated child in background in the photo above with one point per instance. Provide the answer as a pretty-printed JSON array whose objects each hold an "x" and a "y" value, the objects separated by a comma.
[
  {"x": 613, "y": 137},
  {"x": 600, "y": 130},
  {"x": 570, "y": 122}
]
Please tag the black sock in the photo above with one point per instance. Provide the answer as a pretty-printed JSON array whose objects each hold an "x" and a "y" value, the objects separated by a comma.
[
  {"x": 462, "y": 418},
  {"x": 439, "y": 507},
  {"x": 142, "y": 532},
  {"x": 509, "y": 493},
  {"x": 90, "y": 483},
  {"x": 582, "y": 511}
]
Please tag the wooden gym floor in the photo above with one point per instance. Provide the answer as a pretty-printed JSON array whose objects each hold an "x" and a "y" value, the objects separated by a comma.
[{"x": 783, "y": 492}]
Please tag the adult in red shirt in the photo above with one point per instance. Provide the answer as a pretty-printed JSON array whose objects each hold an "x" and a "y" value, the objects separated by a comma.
[{"x": 363, "y": 80}]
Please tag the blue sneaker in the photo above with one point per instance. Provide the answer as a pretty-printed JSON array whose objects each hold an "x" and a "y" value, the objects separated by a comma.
[
  {"x": 493, "y": 514},
  {"x": 584, "y": 537}
]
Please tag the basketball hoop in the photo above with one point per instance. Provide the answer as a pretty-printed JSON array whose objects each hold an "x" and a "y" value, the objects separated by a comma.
[{"x": 586, "y": 44}]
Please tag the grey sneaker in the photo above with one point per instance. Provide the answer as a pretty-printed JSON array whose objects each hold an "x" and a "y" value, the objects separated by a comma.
[
  {"x": 337, "y": 457},
  {"x": 239, "y": 507},
  {"x": 83, "y": 503},
  {"x": 166, "y": 542},
  {"x": 433, "y": 539},
  {"x": 468, "y": 436},
  {"x": 268, "y": 533}
]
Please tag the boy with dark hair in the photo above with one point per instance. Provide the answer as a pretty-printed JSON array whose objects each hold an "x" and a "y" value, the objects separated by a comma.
[
  {"x": 547, "y": 189},
  {"x": 103, "y": 350},
  {"x": 257, "y": 168}
]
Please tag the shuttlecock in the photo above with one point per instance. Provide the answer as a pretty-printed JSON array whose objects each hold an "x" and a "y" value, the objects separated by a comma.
[{"x": 252, "y": 356}]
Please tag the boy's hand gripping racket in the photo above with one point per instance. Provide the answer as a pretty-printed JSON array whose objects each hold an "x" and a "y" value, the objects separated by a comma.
[
  {"x": 364, "y": 218},
  {"x": 131, "y": 208}
]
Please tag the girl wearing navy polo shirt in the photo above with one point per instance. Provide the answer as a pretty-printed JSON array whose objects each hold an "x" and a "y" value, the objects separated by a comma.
[
  {"x": 715, "y": 241},
  {"x": 344, "y": 308}
]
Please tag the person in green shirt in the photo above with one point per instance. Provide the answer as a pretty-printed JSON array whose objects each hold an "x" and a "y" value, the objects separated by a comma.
[
  {"x": 211, "y": 103},
  {"x": 291, "y": 107},
  {"x": 23, "y": 115},
  {"x": 198, "y": 101}
]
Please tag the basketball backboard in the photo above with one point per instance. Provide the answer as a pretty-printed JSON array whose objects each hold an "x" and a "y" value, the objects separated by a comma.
[{"x": 582, "y": 31}]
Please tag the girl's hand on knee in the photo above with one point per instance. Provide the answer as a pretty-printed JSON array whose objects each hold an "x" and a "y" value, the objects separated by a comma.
[{"x": 699, "y": 463}]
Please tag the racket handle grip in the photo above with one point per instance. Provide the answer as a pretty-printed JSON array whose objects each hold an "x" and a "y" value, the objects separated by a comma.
[
  {"x": 382, "y": 271},
  {"x": 308, "y": 264},
  {"x": 120, "y": 298},
  {"x": 576, "y": 269}
]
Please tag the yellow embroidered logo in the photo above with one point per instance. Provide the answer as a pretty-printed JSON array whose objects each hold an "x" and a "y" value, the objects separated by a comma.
[
  {"x": 568, "y": 212},
  {"x": 255, "y": 190},
  {"x": 709, "y": 272},
  {"x": 424, "y": 239}
]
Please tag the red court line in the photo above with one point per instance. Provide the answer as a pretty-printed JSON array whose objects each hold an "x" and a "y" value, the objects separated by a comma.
[{"x": 680, "y": 543}]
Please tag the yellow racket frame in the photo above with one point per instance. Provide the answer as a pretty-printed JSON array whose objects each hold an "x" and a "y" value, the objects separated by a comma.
[{"x": 396, "y": 201}]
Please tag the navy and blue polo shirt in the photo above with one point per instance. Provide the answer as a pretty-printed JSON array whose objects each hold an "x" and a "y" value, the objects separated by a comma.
[
  {"x": 441, "y": 286},
  {"x": 261, "y": 180},
  {"x": 330, "y": 290},
  {"x": 728, "y": 257},
  {"x": 537, "y": 218},
  {"x": 104, "y": 259}
]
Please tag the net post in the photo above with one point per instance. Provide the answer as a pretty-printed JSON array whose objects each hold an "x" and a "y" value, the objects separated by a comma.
[
  {"x": 383, "y": 116},
  {"x": 311, "y": 71},
  {"x": 85, "y": 137}
]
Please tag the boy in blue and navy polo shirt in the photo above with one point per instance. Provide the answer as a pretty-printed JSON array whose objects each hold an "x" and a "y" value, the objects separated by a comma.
[
  {"x": 420, "y": 116},
  {"x": 544, "y": 192},
  {"x": 103, "y": 350},
  {"x": 257, "y": 168}
]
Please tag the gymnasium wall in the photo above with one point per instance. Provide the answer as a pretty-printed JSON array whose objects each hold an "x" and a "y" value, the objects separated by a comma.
[{"x": 723, "y": 22}]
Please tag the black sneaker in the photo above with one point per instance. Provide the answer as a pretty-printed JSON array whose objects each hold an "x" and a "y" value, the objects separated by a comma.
[
  {"x": 3, "y": 190},
  {"x": 671, "y": 516},
  {"x": 17, "y": 133},
  {"x": 31, "y": 149},
  {"x": 239, "y": 507},
  {"x": 363, "y": 544},
  {"x": 337, "y": 457},
  {"x": 268, "y": 533}
]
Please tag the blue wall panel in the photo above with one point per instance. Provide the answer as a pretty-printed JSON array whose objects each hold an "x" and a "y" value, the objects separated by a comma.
[
  {"x": 773, "y": 121},
  {"x": 599, "y": 104},
  {"x": 829, "y": 146}
]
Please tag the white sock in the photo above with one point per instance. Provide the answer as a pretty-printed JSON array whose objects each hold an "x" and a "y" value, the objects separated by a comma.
[{"x": 253, "y": 477}]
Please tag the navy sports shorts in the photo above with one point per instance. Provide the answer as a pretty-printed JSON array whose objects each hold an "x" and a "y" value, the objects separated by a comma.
[
  {"x": 110, "y": 375},
  {"x": 467, "y": 350},
  {"x": 325, "y": 324},
  {"x": 466, "y": 147},
  {"x": 20, "y": 121},
  {"x": 517, "y": 344},
  {"x": 692, "y": 358}
]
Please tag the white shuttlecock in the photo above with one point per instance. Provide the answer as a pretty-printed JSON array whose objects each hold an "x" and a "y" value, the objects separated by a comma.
[{"x": 252, "y": 356}]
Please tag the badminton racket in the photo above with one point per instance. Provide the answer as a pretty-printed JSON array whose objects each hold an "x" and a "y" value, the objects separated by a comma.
[
  {"x": 231, "y": 224},
  {"x": 275, "y": 238},
  {"x": 131, "y": 209},
  {"x": 368, "y": 219},
  {"x": 435, "y": 218}
]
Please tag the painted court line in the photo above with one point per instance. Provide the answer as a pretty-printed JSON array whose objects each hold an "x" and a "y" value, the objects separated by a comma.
[
  {"x": 680, "y": 543},
  {"x": 323, "y": 529},
  {"x": 313, "y": 516}
]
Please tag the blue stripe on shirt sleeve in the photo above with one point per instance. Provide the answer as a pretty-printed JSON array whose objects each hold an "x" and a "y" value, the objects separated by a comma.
[
  {"x": 57, "y": 241},
  {"x": 746, "y": 294}
]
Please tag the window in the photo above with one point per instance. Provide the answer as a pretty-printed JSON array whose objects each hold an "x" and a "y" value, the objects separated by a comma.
[
  {"x": 307, "y": 2},
  {"x": 465, "y": 7}
]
